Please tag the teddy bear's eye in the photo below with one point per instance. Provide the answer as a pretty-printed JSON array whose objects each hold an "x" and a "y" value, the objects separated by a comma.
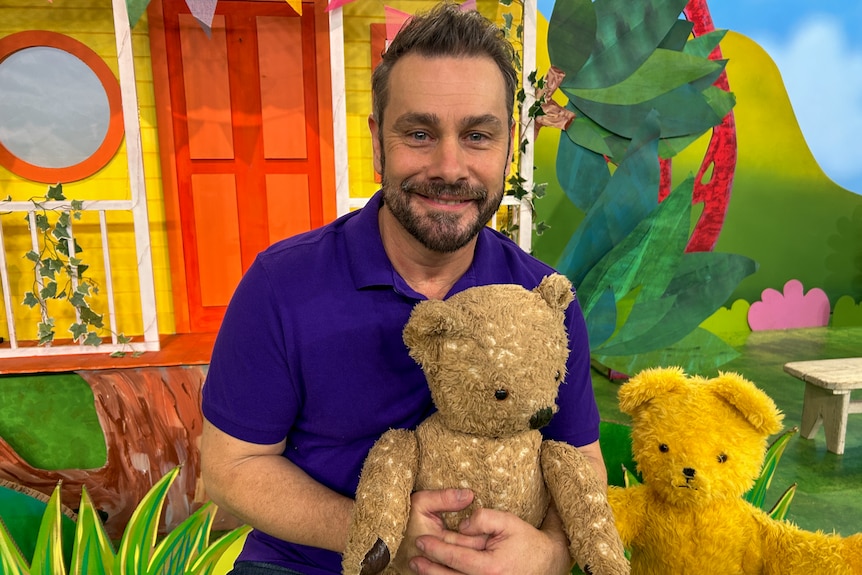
[
  {"x": 501, "y": 394},
  {"x": 722, "y": 458},
  {"x": 663, "y": 448}
]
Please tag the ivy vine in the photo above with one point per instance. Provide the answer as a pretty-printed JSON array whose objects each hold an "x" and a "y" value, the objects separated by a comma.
[{"x": 59, "y": 272}]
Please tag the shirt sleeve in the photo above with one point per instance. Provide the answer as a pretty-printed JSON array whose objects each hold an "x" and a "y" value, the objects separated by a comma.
[
  {"x": 249, "y": 392},
  {"x": 577, "y": 421}
]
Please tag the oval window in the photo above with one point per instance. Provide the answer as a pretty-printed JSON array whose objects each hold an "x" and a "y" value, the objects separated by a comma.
[{"x": 60, "y": 108}]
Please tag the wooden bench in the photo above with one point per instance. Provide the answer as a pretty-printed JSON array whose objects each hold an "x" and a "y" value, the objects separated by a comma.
[{"x": 828, "y": 384}]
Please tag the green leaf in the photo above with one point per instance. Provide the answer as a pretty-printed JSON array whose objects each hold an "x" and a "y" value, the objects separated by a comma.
[
  {"x": 12, "y": 562},
  {"x": 48, "y": 554},
  {"x": 30, "y": 299},
  {"x": 704, "y": 45},
  {"x": 49, "y": 291},
  {"x": 663, "y": 71},
  {"x": 92, "y": 554},
  {"x": 206, "y": 563},
  {"x": 698, "y": 352},
  {"x": 32, "y": 256},
  {"x": 629, "y": 196},
  {"x": 626, "y": 34},
  {"x": 185, "y": 542},
  {"x": 779, "y": 510},
  {"x": 77, "y": 205},
  {"x": 571, "y": 34},
  {"x": 92, "y": 339},
  {"x": 46, "y": 331},
  {"x": 757, "y": 494},
  {"x": 682, "y": 111},
  {"x": 630, "y": 478},
  {"x": 678, "y": 35},
  {"x": 122, "y": 338},
  {"x": 78, "y": 330},
  {"x": 55, "y": 193},
  {"x": 90, "y": 317}
]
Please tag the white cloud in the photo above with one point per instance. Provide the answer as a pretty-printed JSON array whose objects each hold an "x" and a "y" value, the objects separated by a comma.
[{"x": 823, "y": 76}]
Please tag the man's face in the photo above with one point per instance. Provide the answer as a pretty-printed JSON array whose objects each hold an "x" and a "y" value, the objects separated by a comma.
[{"x": 444, "y": 148}]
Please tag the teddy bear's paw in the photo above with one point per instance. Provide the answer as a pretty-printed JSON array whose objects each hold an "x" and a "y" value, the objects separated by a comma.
[{"x": 376, "y": 559}]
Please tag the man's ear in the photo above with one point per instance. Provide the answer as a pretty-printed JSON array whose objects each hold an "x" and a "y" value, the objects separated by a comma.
[
  {"x": 511, "y": 156},
  {"x": 374, "y": 127}
]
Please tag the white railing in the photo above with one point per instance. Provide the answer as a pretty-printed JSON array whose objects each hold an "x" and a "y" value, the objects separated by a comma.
[{"x": 150, "y": 336}]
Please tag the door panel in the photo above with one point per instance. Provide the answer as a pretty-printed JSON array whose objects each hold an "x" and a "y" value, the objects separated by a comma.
[{"x": 244, "y": 108}]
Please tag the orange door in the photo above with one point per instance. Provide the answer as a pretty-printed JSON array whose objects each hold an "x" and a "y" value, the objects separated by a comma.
[{"x": 246, "y": 123}]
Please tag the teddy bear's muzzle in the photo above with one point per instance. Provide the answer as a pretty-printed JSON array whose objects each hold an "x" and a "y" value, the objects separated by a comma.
[{"x": 541, "y": 418}]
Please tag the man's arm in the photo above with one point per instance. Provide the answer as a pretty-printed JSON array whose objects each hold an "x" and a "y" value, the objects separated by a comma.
[
  {"x": 593, "y": 453},
  {"x": 261, "y": 487}
]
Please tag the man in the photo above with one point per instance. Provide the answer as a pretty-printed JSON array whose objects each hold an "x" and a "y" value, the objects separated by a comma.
[{"x": 309, "y": 368}]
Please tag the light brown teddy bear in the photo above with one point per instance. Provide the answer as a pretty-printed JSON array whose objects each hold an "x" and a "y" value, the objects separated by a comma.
[
  {"x": 493, "y": 357},
  {"x": 699, "y": 445}
]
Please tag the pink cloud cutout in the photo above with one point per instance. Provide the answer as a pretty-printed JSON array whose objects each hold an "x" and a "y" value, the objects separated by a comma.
[{"x": 789, "y": 310}]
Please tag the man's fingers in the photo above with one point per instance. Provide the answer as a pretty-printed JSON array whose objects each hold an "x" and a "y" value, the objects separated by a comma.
[
  {"x": 484, "y": 522},
  {"x": 442, "y": 500}
]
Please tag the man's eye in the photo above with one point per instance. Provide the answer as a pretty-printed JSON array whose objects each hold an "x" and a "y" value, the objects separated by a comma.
[
  {"x": 419, "y": 136},
  {"x": 476, "y": 137}
]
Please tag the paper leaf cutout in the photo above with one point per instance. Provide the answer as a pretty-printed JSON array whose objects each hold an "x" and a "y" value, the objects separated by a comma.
[
  {"x": 571, "y": 34},
  {"x": 847, "y": 313},
  {"x": 789, "y": 310},
  {"x": 627, "y": 33}
]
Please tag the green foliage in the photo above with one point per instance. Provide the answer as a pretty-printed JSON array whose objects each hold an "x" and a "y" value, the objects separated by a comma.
[
  {"x": 640, "y": 89},
  {"x": 185, "y": 550}
]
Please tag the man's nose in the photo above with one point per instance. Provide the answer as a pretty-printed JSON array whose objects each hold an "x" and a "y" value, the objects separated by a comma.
[{"x": 449, "y": 161}]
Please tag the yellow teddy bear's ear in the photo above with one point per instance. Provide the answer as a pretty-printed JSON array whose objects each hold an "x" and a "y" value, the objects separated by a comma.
[
  {"x": 753, "y": 404},
  {"x": 556, "y": 290},
  {"x": 649, "y": 384}
]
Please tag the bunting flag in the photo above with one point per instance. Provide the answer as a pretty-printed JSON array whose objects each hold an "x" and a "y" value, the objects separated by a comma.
[
  {"x": 333, "y": 4},
  {"x": 395, "y": 19},
  {"x": 136, "y": 9},
  {"x": 297, "y": 6},
  {"x": 203, "y": 11}
]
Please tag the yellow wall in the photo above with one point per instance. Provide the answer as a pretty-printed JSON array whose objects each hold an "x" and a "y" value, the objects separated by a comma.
[{"x": 91, "y": 22}]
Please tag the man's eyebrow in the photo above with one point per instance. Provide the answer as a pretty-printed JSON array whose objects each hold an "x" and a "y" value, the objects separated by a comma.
[
  {"x": 412, "y": 119},
  {"x": 482, "y": 120}
]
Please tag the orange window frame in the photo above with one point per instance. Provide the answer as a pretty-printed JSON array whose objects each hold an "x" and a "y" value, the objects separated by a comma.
[{"x": 114, "y": 135}]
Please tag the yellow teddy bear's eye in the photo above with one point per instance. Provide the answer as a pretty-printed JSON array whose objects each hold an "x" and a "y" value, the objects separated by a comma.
[
  {"x": 663, "y": 448},
  {"x": 722, "y": 458}
]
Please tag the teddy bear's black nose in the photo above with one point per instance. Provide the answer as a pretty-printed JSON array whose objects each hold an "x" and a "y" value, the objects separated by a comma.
[
  {"x": 541, "y": 418},
  {"x": 689, "y": 473}
]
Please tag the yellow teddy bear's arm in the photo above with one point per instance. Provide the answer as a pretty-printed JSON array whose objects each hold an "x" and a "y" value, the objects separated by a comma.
[
  {"x": 630, "y": 511},
  {"x": 382, "y": 504}
]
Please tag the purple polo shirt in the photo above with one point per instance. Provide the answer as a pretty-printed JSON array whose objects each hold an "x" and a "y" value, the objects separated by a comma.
[{"x": 310, "y": 350}]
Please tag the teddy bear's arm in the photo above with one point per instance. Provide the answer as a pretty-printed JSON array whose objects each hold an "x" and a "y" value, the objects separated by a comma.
[
  {"x": 583, "y": 507},
  {"x": 629, "y": 507},
  {"x": 382, "y": 504}
]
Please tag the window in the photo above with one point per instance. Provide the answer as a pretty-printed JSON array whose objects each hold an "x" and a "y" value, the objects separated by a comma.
[{"x": 60, "y": 108}]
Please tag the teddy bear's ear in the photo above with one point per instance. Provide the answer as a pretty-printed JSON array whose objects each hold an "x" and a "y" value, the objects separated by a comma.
[
  {"x": 649, "y": 384},
  {"x": 753, "y": 404},
  {"x": 431, "y": 319},
  {"x": 556, "y": 289}
]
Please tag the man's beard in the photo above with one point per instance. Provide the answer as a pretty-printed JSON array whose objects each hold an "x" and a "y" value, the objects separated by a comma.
[{"x": 439, "y": 231}]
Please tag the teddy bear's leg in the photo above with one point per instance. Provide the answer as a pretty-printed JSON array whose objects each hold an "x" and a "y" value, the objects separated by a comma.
[
  {"x": 382, "y": 504},
  {"x": 582, "y": 504}
]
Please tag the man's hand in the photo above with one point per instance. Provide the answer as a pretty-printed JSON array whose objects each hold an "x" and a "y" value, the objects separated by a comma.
[
  {"x": 494, "y": 542},
  {"x": 425, "y": 520}
]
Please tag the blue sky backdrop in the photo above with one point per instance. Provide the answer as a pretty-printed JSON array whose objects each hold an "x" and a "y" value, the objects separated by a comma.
[{"x": 817, "y": 45}]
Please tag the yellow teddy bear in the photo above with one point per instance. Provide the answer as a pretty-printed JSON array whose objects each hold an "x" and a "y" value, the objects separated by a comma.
[{"x": 699, "y": 445}]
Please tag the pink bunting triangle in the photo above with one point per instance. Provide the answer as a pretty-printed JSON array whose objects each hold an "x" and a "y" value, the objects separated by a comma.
[
  {"x": 203, "y": 11},
  {"x": 333, "y": 4}
]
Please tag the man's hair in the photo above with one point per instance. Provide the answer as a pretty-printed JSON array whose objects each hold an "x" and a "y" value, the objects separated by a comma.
[{"x": 446, "y": 31}]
